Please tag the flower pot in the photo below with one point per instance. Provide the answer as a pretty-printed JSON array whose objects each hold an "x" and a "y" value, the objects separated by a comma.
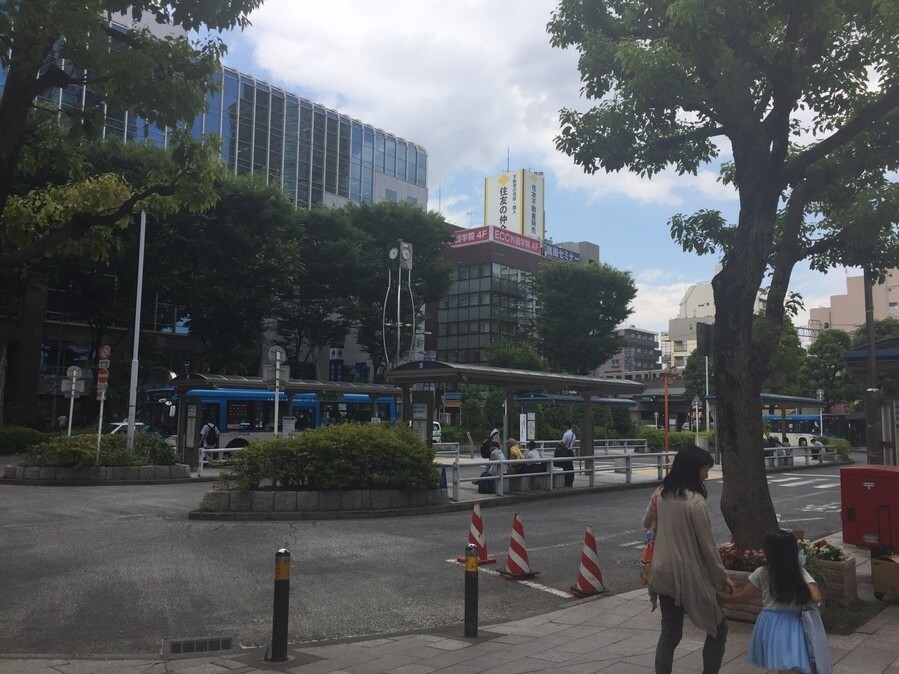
[{"x": 742, "y": 612}]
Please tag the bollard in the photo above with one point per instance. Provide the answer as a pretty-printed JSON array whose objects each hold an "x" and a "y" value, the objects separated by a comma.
[
  {"x": 281, "y": 604},
  {"x": 471, "y": 590}
]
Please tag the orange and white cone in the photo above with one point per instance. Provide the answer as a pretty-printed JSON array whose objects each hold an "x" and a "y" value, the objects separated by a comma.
[
  {"x": 476, "y": 537},
  {"x": 517, "y": 566},
  {"x": 589, "y": 577}
]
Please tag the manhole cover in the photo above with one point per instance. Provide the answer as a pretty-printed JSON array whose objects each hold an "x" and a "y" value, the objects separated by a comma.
[{"x": 630, "y": 563}]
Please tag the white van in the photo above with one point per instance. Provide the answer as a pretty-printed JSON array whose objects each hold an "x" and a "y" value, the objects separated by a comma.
[{"x": 436, "y": 432}]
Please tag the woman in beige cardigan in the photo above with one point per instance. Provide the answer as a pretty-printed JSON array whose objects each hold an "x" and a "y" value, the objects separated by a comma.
[{"x": 686, "y": 568}]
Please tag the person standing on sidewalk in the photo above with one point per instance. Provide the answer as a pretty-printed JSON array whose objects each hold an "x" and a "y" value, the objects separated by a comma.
[{"x": 686, "y": 567}]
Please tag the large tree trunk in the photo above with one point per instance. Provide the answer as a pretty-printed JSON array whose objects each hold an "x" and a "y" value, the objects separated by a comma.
[{"x": 740, "y": 371}]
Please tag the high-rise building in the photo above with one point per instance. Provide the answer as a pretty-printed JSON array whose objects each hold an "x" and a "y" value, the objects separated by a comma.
[
  {"x": 639, "y": 353},
  {"x": 847, "y": 311}
]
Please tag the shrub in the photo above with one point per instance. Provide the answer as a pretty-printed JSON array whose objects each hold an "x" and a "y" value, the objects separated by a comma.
[
  {"x": 346, "y": 456},
  {"x": 838, "y": 444},
  {"x": 455, "y": 434},
  {"x": 80, "y": 451},
  {"x": 15, "y": 439},
  {"x": 739, "y": 559}
]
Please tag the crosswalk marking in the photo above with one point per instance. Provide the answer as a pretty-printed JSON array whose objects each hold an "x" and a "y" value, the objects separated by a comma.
[
  {"x": 802, "y": 483},
  {"x": 832, "y": 485}
]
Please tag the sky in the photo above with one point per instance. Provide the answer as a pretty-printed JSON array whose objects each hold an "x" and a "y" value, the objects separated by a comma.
[{"x": 477, "y": 84}]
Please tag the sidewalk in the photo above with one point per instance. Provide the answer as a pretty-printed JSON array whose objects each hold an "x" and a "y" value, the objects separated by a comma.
[{"x": 605, "y": 634}]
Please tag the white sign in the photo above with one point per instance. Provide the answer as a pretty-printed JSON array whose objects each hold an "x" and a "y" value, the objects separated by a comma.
[{"x": 514, "y": 201}]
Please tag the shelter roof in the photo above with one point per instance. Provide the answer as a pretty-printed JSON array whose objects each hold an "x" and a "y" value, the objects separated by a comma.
[
  {"x": 195, "y": 380},
  {"x": 426, "y": 371},
  {"x": 561, "y": 399},
  {"x": 779, "y": 400}
]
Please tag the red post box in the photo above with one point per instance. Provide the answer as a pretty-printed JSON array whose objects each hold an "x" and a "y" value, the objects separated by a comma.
[{"x": 870, "y": 506}]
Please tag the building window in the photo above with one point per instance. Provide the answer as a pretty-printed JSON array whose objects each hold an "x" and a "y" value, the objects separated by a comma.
[{"x": 390, "y": 195}]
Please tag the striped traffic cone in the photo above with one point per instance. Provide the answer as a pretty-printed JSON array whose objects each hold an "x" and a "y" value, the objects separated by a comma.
[
  {"x": 589, "y": 577},
  {"x": 476, "y": 537},
  {"x": 517, "y": 566}
]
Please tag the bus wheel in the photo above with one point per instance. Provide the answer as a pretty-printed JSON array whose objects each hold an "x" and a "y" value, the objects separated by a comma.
[{"x": 803, "y": 442}]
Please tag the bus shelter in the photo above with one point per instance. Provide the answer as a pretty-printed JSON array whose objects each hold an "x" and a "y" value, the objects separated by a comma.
[{"x": 513, "y": 382}]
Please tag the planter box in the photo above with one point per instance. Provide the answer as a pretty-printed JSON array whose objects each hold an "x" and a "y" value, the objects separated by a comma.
[
  {"x": 743, "y": 612},
  {"x": 840, "y": 582},
  {"x": 313, "y": 501}
]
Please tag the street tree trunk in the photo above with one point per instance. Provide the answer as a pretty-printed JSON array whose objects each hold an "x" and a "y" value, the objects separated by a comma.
[{"x": 740, "y": 368}]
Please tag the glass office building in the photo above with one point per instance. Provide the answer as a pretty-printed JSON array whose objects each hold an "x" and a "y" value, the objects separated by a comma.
[{"x": 316, "y": 155}]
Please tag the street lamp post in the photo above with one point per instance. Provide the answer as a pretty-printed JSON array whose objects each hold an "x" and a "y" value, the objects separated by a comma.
[
  {"x": 820, "y": 393},
  {"x": 670, "y": 372}
]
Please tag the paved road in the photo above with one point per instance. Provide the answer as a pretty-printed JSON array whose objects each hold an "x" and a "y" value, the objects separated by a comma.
[{"x": 91, "y": 570}]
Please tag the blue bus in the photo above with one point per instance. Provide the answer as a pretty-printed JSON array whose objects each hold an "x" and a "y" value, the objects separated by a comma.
[{"x": 243, "y": 408}]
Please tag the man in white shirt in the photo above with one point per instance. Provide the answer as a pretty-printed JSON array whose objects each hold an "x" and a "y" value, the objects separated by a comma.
[{"x": 568, "y": 437}]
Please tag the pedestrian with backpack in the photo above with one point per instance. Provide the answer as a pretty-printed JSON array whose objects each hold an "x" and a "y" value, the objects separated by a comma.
[{"x": 209, "y": 435}]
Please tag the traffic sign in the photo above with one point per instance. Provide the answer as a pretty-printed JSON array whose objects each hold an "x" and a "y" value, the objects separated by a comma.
[
  {"x": 102, "y": 376},
  {"x": 105, "y": 352},
  {"x": 102, "y": 385},
  {"x": 74, "y": 372},
  {"x": 103, "y": 362}
]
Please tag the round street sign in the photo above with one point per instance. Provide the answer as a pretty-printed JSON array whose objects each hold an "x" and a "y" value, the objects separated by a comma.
[
  {"x": 102, "y": 375},
  {"x": 105, "y": 352},
  {"x": 74, "y": 372}
]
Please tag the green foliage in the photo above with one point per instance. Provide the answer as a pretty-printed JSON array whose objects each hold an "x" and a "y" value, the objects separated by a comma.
[
  {"x": 694, "y": 376},
  {"x": 579, "y": 308},
  {"x": 160, "y": 80},
  {"x": 883, "y": 329},
  {"x": 785, "y": 360},
  {"x": 474, "y": 420},
  {"x": 655, "y": 438},
  {"x": 80, "y": 451},
  {"x": 456, "y": 434},
  {"x": 15, "y": 439},
  {"x": 825, "y": 369},
  {"x": 842, "y": 447},
  {"x": 345, "y": 456}
]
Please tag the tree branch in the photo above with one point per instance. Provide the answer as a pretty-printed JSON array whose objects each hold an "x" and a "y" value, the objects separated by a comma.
[
  {"x": 79, "y": 225},
  {"x": 794, "y": 169}
]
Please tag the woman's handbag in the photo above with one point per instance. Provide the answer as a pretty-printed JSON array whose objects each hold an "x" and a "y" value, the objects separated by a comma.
[
  {"x": 816, "y": 641},
  {"x": 646, "y": 559}
]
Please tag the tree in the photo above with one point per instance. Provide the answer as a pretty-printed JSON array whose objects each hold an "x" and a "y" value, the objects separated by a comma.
[
  {"x": 318, "y": 310},
  {"x": 515, "y": 356},
  {"x": 825, "y": 369},
  {"x": 579, "y": 307},
  {"x": 785, "y": 360},
  {"x": 237, "y": 264},
  {"x": 694, "y": 376},
  {"x": 787, "y": 85},
  {"x": 52, "y": 45},
  {"x": 883, "y": 329}
]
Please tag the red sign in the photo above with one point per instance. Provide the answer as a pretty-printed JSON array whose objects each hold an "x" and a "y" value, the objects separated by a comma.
[
  {"x": 510, "y": 238},
  {"x": 102, "y": 375},
  {"x": 468, "y": 237}
]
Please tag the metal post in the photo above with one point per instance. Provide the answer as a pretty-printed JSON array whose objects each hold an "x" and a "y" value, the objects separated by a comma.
[
  {"x": 281, "y": 604},
  {"x": 277, "y": 387},
  {"x": 72, "y": 405},
  {"x": 132, "y": 393},
  {"x": 665, "y": 422},
  {"x": 100, "y": 426},
  {"x": 820, "y": 393},
  {"x": 706, "y": 393},
  {"x": 399, "y": 325},
  {"x": 471, "y": 590}
]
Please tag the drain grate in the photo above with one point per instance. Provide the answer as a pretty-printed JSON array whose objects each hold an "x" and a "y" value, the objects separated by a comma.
[
  {"x": 630, "y": 563},
  {"x": 199, "y": 646}
]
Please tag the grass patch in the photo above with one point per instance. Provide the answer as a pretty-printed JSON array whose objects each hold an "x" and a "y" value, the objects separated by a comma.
[{"x": 846, "y": 618}]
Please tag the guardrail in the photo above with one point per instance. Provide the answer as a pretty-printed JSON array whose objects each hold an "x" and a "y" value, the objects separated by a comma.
[{"x": 549, "y": 477}]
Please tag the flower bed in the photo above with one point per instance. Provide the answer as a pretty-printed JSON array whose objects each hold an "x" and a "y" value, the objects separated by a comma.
[{"x": 826, "y": 562}]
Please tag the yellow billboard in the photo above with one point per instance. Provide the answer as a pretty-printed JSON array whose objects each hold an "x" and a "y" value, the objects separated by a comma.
[{"x": 514, "y": 201}]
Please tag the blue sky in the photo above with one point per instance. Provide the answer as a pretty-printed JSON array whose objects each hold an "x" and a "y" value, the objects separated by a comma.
[{"x": 478, "y": 85}]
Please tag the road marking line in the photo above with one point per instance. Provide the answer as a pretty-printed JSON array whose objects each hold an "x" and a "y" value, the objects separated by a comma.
[
  {"x": 529, "y": 583},
  {"x": 632, "y": 544},
  {"x": 784, "y": 479},
  {"x": 802, "y": 483},
  {"x": 833, "y": 485}
]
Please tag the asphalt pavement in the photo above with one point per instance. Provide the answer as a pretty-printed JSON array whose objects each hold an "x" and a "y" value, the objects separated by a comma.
[{"x": 602, "y": 634}]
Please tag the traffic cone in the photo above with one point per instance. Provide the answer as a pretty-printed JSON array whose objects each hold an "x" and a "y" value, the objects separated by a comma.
[
  {"x": 476, "y": 537},
  {"x": 517, "y": 566},
  {"x": 589, "y": 577}
]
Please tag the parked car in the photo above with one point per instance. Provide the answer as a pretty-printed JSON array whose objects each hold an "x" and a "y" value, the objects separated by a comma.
[{"x": 436, "y": 432}]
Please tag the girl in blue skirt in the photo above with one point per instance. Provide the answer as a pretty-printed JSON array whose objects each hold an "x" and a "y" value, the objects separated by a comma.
[{"x": 778, "y": 640}]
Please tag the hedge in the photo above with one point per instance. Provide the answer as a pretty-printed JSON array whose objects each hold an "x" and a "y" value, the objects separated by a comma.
[
  {"x": 80, "y": 451},
  {"x": 16, "y": 439},
  {"x": 341, "y": 457}
]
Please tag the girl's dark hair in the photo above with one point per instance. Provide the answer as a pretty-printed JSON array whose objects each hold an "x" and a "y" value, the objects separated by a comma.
[
  {"x": 684, "y": 473},
  {"x": 784, "y": 573}
]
